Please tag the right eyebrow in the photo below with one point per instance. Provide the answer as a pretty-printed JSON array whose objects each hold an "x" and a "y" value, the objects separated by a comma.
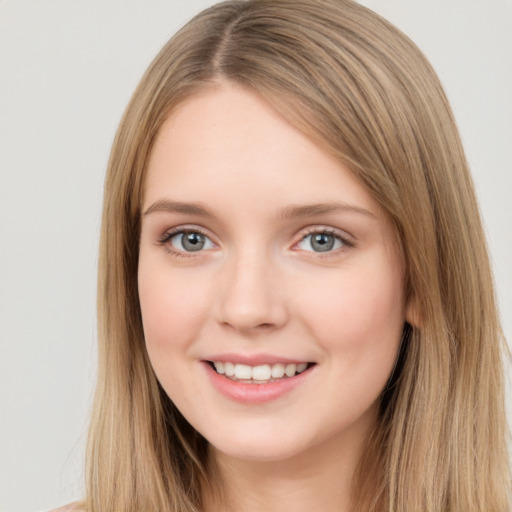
[{"x": 166, "y": 205}]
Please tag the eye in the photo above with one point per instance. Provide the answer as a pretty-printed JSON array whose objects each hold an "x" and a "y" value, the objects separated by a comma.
[
  {"x": 321, "y": 242},
  {"x": 190, "y": 241}
]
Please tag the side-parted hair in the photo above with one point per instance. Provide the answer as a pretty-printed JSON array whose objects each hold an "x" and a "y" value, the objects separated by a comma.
[{"x": 363, "y": 92}]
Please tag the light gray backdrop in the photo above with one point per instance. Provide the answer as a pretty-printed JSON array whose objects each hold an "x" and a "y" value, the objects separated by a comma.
[{"x": 67, "y": 70}]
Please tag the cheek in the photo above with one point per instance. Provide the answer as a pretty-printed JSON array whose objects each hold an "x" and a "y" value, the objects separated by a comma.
[
  {"x": 359, "y": 314},
  {"x": 172, "y": 307}
]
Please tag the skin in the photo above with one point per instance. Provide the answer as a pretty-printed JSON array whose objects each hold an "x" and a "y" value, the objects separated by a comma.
[{"x": 259, "y": 287}]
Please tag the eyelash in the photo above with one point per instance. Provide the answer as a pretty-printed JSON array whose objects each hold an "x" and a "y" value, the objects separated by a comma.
[
  {"x": 345, "y": 242},
  {"x": 168, "y": 236}
]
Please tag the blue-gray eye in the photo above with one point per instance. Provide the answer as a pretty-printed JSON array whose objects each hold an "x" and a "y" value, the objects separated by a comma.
[
  {"x": 191, "y": 241},
  {"x": 320, "y": 242}
]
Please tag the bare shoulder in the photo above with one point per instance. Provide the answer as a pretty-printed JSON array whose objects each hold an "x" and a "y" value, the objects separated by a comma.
[{"x": 71, "y": 507}]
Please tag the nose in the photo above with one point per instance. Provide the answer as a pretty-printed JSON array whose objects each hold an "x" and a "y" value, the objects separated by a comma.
[{"x": 252, "y": 298}]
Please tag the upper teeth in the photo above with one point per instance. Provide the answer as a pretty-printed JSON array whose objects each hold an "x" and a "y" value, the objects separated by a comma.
[{"x": 261, "y": 372}]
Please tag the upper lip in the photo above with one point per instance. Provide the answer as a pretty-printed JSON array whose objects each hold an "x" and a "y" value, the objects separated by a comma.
[{"x": 254, "y": 359}]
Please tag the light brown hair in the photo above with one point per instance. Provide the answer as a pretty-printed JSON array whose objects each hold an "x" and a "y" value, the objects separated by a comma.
[{"x": 362, "y": 91}]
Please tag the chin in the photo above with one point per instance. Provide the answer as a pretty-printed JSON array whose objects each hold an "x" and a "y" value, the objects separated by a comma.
[
  {"x": 261, "y": 446},
  {"x": 252, "y": 452}
]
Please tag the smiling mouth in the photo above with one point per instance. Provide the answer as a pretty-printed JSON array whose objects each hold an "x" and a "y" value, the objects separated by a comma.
[{"x": 261, "y": 374}]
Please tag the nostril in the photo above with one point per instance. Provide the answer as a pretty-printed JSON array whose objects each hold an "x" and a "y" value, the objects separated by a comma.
[{"x": 264, "y": 326}]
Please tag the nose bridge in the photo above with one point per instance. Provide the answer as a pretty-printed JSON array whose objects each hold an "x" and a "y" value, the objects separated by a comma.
[{"x": 251, "y": 296}]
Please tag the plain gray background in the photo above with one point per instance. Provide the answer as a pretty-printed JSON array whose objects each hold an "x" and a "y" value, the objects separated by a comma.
[{"x": 67, "y": 70}]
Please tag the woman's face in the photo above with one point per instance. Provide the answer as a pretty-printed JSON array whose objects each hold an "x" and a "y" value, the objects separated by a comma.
[{"x": 263, "y": 256}]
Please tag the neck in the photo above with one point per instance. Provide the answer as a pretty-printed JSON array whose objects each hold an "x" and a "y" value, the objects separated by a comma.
[{"x": 319, "y": 478}]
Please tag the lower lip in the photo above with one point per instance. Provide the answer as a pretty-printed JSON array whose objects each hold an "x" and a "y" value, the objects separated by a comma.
[{"x": 254, "y": 393}]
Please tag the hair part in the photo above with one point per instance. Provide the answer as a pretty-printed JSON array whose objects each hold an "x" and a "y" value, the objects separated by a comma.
[{"x": 363, "y": 92}]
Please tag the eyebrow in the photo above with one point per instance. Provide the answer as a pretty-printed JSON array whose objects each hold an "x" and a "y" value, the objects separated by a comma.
[
  {"x": 310, "y": 210},
  {"x": 165, "y": 205},
  {"x": 289, "y": 212}
]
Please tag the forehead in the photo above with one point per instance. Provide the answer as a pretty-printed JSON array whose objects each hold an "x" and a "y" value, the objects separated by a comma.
[{"x": 226, "y": 139}]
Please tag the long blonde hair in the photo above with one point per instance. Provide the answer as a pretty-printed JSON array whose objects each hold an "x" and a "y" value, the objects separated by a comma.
[{"x": 363, "y": 91}]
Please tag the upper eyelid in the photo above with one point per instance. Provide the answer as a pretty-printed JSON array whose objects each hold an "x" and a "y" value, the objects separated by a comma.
[
  {"x": 170, "y": 232},
  {"x": 310, "y": 230}
]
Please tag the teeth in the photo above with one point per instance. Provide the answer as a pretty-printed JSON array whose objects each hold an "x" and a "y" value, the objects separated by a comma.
[
  {"x": 277, "y": 370},
  {"x": 229, "y": 369},
  {"x": 301, "y": 367},
  {"x": 290, "y": 370},
  {"x": 264, "y": 372},
  {"x": 242, "y": 371}
]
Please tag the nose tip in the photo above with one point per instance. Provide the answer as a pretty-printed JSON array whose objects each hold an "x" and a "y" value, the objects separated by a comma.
[
  {"x": 252, "y": 318},
  {"x": 252, "y": 299}
]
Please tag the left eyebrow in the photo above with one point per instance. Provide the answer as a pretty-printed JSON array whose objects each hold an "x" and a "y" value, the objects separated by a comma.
[{"x": 310, "y": 210}]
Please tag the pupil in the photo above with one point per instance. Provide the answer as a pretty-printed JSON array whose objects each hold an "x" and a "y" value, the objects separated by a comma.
[
  {"x": 193, "y": 241},
  {"x": 322, "y": 242}
]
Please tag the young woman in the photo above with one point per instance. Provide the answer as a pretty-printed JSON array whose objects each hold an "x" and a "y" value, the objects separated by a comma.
[{"x": 296, "y": 307}]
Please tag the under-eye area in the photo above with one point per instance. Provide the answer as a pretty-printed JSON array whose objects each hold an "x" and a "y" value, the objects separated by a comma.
[{"x": 259, "y": 374}]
